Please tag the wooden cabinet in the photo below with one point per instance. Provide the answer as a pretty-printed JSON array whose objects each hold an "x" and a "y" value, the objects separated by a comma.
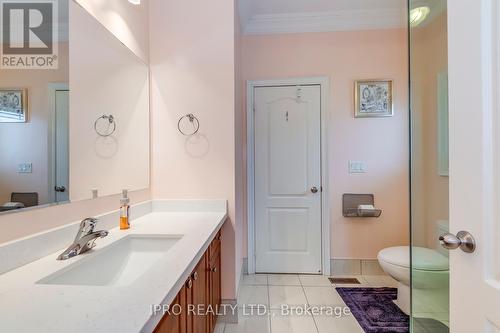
[
  {"x": 214, "y": 280},
  {"x": 170, "y": 323},
  {"x": 199, "y": 298}
]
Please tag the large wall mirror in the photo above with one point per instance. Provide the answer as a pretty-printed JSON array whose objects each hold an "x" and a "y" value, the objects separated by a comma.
[{"x": 77, "y": 129}]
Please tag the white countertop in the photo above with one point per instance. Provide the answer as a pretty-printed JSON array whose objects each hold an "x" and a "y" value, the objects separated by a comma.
[{"x": 29, "y": 307}]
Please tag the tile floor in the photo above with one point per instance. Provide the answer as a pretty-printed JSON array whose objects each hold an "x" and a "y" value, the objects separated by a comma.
[{"x": 295, "y": 290}]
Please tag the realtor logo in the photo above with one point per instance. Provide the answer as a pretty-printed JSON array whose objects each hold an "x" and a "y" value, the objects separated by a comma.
[{"x": 29, "y": 35}]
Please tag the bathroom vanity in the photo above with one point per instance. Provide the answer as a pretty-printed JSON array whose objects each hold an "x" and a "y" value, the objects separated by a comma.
[{"x": 171, "y": 255}]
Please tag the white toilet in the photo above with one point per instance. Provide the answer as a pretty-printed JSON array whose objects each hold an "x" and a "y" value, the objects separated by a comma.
[{"x": 430, "y": 277}]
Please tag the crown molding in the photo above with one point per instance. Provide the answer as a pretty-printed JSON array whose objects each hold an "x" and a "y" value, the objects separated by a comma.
[{"x": 326, "y": 21}]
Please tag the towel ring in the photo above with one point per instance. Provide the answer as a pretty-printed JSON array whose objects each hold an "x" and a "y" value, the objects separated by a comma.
[
  {"x": 111, "y": 121},
  {"x": 193, "y": 120}
]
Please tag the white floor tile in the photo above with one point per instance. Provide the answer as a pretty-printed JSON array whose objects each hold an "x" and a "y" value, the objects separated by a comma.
[
  {"x": 250, "y": 324},
  {"x": 292, "y": 324},
  {"x": 219, "y": 327},
  {"x": 283, "y": 280},
  {"x": 249, "y": 295},
  {"x": 255, "y": 280},
  {"x": 380, "y": 281},
  {"x": 332, "y": 324},
  {"x": 315, "y": 281},
  {"x": 292, "y": 295},
  {"x": 323, "y": 296}
]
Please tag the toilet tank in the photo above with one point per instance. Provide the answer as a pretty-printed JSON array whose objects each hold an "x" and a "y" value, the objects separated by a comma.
[{"x": 442, "y": 227}]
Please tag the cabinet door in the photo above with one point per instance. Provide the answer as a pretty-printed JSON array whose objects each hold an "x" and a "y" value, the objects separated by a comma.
[
  {"x": 200, "y": 297},
  {"x": 169, "y": 323},
  {"x": 215, "y": 284},
  {"x": 185, "y": 298}
]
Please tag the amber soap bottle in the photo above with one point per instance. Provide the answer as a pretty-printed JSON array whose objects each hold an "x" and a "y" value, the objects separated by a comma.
[{"x": 124, "y": 211}]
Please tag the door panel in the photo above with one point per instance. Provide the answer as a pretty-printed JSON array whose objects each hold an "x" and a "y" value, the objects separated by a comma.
[
  {"x": 62, "y": 145},
  {"x": 474, "y": 76},
  {"x": 287, "y": 130},
  {"x": 288, "y": 229},
  {"x": 287, "y": 166}
]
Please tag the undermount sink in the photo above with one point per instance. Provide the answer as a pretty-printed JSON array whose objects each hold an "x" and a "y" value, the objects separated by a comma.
[{"x": 118, "y": 264}]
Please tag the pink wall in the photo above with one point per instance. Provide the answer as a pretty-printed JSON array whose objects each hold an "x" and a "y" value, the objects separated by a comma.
[
  {"x": 193, "y": 71},
  {"x": 381, "y": 142}
]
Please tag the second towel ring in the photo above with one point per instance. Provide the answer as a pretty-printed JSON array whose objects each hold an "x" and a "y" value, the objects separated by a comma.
[
  {"x": 111, "y": 121},
  {"x": 193, "y": 120}
]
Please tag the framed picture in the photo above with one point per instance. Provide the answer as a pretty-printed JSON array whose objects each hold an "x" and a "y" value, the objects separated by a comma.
[
  {"x": 373, "y": 98},
  {"x": 13, "y": 105}
]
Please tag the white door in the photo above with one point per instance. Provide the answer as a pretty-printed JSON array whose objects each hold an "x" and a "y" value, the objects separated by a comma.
[
  {"x": 288, "y": 179},
  {"x": 474, "y": 97},
  {"x": 62, "y": 145}
]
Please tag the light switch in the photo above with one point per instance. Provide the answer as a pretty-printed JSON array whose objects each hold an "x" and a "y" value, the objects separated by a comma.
[
  {"x": 25, "y": 168},
  {"x": 357, "y": 167}
]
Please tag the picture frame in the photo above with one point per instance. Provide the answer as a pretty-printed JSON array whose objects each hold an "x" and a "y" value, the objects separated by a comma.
[
  {"x": 373, "y": 98},
  {"x": 13, "y": 105}
]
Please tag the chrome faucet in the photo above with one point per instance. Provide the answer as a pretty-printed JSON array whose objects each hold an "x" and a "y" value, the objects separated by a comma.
[{"x": 84, "y": 239}]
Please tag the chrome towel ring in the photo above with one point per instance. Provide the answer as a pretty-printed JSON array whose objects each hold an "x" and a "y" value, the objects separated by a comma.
[
  {"x": 194, "y": 122},
  {"x": 111, "y": 124}
]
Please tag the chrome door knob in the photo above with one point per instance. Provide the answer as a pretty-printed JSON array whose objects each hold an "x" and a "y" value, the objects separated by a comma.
[
  {"x": 462, "y": 240},
  {"x": 314, "y": 189}
]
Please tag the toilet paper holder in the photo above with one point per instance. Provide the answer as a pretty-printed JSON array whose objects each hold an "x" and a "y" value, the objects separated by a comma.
[{"x": 352, "y": 205}]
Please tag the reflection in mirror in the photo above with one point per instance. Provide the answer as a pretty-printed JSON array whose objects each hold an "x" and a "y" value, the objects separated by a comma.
[
  {"x": 109, "y": 112},
  {"x": 54, "y": 148},
  {"x": 430, "y": 183},
  {"x": 34, "y": 109}
]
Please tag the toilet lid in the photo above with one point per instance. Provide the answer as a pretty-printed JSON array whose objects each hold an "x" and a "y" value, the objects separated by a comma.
[{"x": 423, "y": 259}]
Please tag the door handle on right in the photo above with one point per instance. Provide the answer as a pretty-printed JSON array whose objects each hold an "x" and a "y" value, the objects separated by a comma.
[{"x": 463, "y": 240}]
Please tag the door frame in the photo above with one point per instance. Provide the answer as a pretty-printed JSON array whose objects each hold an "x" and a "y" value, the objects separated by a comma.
[
  {"x": 51, "y": 161},
  {"x": 324, "y": 83}
]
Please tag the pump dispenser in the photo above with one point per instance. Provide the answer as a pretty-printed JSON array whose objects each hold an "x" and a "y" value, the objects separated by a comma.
[{"x": 124, "y": 211}]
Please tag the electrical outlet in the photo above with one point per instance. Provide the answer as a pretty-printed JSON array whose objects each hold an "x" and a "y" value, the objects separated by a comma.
[
  {"x": 357, "y": 167},
  {"x": 25, "y": 168}
]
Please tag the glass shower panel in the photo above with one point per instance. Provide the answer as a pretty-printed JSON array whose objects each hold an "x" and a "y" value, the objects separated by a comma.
[{"x": 429, "y": 167}]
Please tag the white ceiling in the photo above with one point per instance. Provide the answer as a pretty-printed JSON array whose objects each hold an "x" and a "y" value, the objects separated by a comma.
[{"x": 289, "y": 16}]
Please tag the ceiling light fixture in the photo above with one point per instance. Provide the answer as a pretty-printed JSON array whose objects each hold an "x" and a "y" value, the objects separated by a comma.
[
  {"x": 135, "y": 2},
  {"x": 418, "y": 15}
]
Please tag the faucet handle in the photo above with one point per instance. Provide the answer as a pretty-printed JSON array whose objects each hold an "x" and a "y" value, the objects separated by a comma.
[{"x": 86, "y": 227}]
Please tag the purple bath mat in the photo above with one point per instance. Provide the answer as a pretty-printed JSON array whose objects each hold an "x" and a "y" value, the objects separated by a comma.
[{"x": 375, "y": 310}]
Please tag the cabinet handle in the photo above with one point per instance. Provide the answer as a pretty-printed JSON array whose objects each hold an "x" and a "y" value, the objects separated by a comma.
[
  {"x": 190, "y": 283},
  {"x": 195, "y": 276},
  {"x": 214, "y": 269}
]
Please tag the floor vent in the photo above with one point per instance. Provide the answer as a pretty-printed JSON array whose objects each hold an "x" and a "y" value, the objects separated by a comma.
[{"x": 335, "y": 280}]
